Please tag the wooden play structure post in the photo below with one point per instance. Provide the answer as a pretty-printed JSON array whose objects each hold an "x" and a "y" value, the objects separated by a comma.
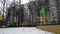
[
  {"x": 1, "y": 18},
  {"x": 42, "y": 19}
]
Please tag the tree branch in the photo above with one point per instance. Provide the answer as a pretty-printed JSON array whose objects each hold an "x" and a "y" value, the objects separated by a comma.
[
  {"x": 1, "y": 8},
  {"x": 1, "y": 1}
]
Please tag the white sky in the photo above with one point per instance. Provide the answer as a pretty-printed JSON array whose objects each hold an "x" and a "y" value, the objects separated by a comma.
[{"x": 22, "y": 1}]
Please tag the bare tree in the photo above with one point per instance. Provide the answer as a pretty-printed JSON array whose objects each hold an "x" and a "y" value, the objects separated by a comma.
[
  {"x": 4, "y": 6},
  {"x": 3, "y": 9}
]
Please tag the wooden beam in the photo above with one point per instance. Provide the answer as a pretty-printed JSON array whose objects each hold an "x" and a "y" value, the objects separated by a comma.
[{"x": 52, "y": 28}]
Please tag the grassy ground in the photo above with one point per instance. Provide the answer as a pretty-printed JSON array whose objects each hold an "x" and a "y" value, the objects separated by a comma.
[{"x": 51, "y": 28}]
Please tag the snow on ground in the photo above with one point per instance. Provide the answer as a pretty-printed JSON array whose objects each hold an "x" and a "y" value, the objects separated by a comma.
[{"x": 23, "y": 30}]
